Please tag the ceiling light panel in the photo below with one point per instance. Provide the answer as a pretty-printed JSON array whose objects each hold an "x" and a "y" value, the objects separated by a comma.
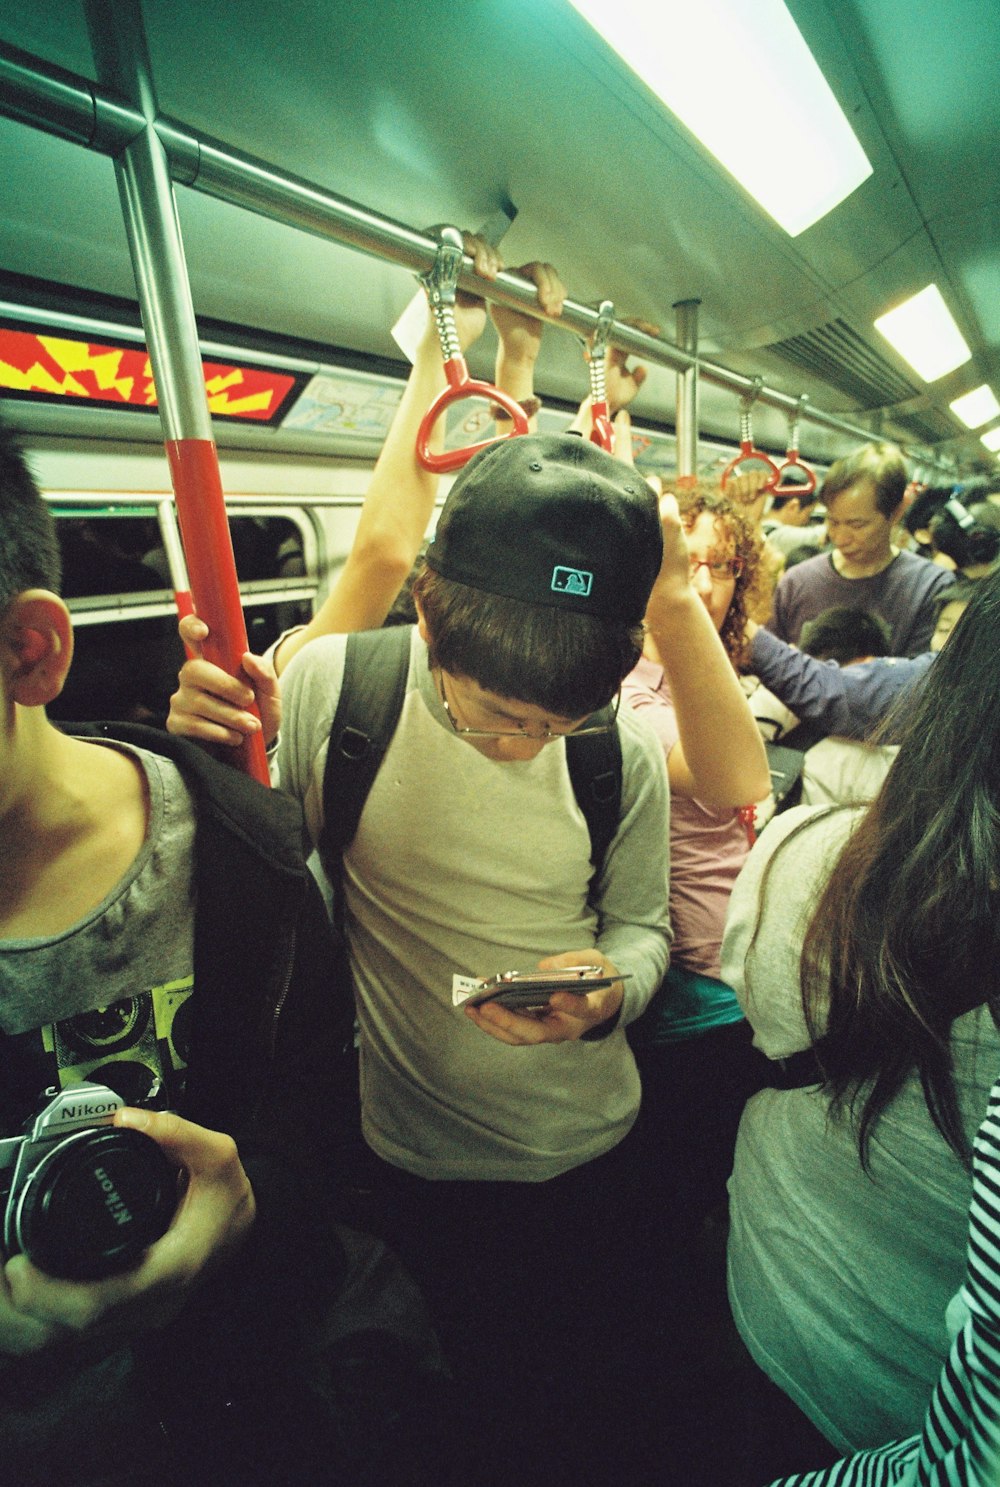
[
  {"x": 768, "y": 114},
  {"x": 923, "y": 330},
  {"x": 977, "y": 407}
]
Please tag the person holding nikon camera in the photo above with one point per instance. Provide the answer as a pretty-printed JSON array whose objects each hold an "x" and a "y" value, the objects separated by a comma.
[{"x": 159, "y": 937}]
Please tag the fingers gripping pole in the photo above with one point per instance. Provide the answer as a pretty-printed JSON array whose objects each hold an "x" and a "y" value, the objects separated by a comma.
[
  {"x": 750, "y": 461},
  {"x": 441, "y": 284},
  {"x": 201, "y": 512},
  {"x": 601, "y": 429}
]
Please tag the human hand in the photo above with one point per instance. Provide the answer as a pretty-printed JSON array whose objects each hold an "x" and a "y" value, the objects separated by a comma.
[
  {"x": 748, "y": 491},
  {"x": 469, "y": 310},
  {"x": 672, "y": 587},
  {"x": 210, "y": 705},
  {"x": 621, "y": 381},
  {"x": 568, "y": 1015},
  {"x": 521, "y": 334},
  {"x": 675, "y": 568},
  {"x": 213, "y": 1218}
]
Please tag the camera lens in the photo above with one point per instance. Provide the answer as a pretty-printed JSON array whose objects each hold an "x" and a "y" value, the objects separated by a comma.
[{"x": 95, "y": 1203}]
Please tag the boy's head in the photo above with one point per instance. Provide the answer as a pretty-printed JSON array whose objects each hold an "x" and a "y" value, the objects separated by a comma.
[
  {"x": 36, "y": 639},
  {"x": 538, "y": 576},
  {"x": 845, "y": 635}
]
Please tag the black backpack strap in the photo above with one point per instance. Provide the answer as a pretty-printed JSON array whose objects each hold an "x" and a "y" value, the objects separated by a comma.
[
  {"x": 376, "y": 665},
  {"x": 595, "y": 770}
]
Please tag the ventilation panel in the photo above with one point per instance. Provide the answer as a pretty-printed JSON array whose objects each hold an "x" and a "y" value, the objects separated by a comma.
[{"x": 837, "y": 354}]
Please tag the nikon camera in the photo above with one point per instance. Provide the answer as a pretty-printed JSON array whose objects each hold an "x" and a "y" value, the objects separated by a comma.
[{"x": 81, "y": 1198}]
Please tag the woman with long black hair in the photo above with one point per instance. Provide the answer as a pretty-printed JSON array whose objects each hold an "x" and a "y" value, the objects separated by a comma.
[{"x": 868, "y": 940}]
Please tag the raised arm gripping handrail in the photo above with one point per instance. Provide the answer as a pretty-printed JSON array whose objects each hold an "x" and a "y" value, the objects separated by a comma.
[
  {"x": 441, "y": 283},
  {"x": 750, "y": 459}
]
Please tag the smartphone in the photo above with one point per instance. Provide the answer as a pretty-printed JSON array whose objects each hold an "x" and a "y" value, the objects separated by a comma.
[{"x": 529, "y": 991}]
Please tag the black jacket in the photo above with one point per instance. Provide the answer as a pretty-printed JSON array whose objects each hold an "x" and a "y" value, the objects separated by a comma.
[{"x": 271, "y": 1064}]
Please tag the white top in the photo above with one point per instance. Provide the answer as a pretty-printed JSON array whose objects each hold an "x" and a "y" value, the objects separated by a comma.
[
  {"x": 465, "y": 864},
  {"x": 839, "y": 1280}
]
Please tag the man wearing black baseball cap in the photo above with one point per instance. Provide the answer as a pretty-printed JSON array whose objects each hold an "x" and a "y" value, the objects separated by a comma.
[{"x": 496, "y": 1131}]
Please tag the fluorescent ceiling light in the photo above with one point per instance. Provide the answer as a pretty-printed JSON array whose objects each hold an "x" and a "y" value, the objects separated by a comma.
[
  {"x": 766, "y": 112},
  {"x": 924, "y": 333},
  {"x": 977, "y": 407},
  {"x": 992, "y": 440}
]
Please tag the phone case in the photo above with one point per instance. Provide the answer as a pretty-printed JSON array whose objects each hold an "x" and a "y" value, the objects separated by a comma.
[{"x": 529, "y": 991}]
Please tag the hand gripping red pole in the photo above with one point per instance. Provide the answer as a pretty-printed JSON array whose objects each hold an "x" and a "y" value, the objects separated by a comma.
[{"x": 201, "y": 511}]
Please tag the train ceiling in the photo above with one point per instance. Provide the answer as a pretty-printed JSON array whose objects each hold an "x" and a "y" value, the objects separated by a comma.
[{"x": 450, "y": 110}]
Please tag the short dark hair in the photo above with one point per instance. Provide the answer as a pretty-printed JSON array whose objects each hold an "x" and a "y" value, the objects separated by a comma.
[
  {"x": 29, "y": 548},
  {"x": 841, "y": 634},
  {"x": 800, "y": 553},
  {"x": 780, "y": 499},
  {"x": 967, "y": 546},
  {"x": 568, "y": 663},
  {"x": 878, "y": 465}
]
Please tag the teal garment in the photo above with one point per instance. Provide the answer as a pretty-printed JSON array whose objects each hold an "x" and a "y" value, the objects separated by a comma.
[{"x": 685, "y": 1005}]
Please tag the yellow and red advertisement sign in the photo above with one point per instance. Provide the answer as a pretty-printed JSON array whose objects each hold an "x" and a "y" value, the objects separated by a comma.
[{"x": 62, "y": 366}]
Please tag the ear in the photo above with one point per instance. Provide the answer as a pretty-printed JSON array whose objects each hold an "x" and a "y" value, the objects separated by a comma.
[{"x": 36, "y": 647}]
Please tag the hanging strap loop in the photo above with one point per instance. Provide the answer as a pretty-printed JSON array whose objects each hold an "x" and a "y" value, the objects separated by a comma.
[
  {"x": 601, "y": 429},
  {"x": 441, "y": 284},
  {"x": 750, "y": 460},
  {"x": 794, "y": 477}
]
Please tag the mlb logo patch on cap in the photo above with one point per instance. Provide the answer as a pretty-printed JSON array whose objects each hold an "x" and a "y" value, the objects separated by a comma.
[{"x": 572, "y": 581}]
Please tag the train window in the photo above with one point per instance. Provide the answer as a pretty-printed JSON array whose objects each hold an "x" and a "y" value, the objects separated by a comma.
[
  {"x": 117, "y": 582},
  {"x": 105, "y": 551}
]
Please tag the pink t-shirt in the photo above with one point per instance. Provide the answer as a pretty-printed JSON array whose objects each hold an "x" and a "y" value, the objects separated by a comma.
[{"x": 707, "y": 846}]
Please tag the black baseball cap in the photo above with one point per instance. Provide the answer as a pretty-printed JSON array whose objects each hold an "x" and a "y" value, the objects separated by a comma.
[{"x": 552, "y": 519}]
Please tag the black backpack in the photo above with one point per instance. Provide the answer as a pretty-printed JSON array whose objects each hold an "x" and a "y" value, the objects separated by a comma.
[{"x": 371, "y": 699}]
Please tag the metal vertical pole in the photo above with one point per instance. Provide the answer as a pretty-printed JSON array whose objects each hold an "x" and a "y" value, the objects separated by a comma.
[
  {"x": 166, "y": 516},
  {"x": 687, "y": 392},
  {"x": 157, "y": 251}
]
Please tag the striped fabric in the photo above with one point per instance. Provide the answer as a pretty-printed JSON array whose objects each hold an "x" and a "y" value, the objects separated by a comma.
[{"x": 960, "y": 1442}]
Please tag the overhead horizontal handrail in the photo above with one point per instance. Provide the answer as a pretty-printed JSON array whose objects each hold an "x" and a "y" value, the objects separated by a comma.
[{"x": 45, "y": 97}]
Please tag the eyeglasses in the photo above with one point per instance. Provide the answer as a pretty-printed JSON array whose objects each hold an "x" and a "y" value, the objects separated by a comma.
[
  {"x": 720, "y": 570},
  {"x": 540, "y": 735}
]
